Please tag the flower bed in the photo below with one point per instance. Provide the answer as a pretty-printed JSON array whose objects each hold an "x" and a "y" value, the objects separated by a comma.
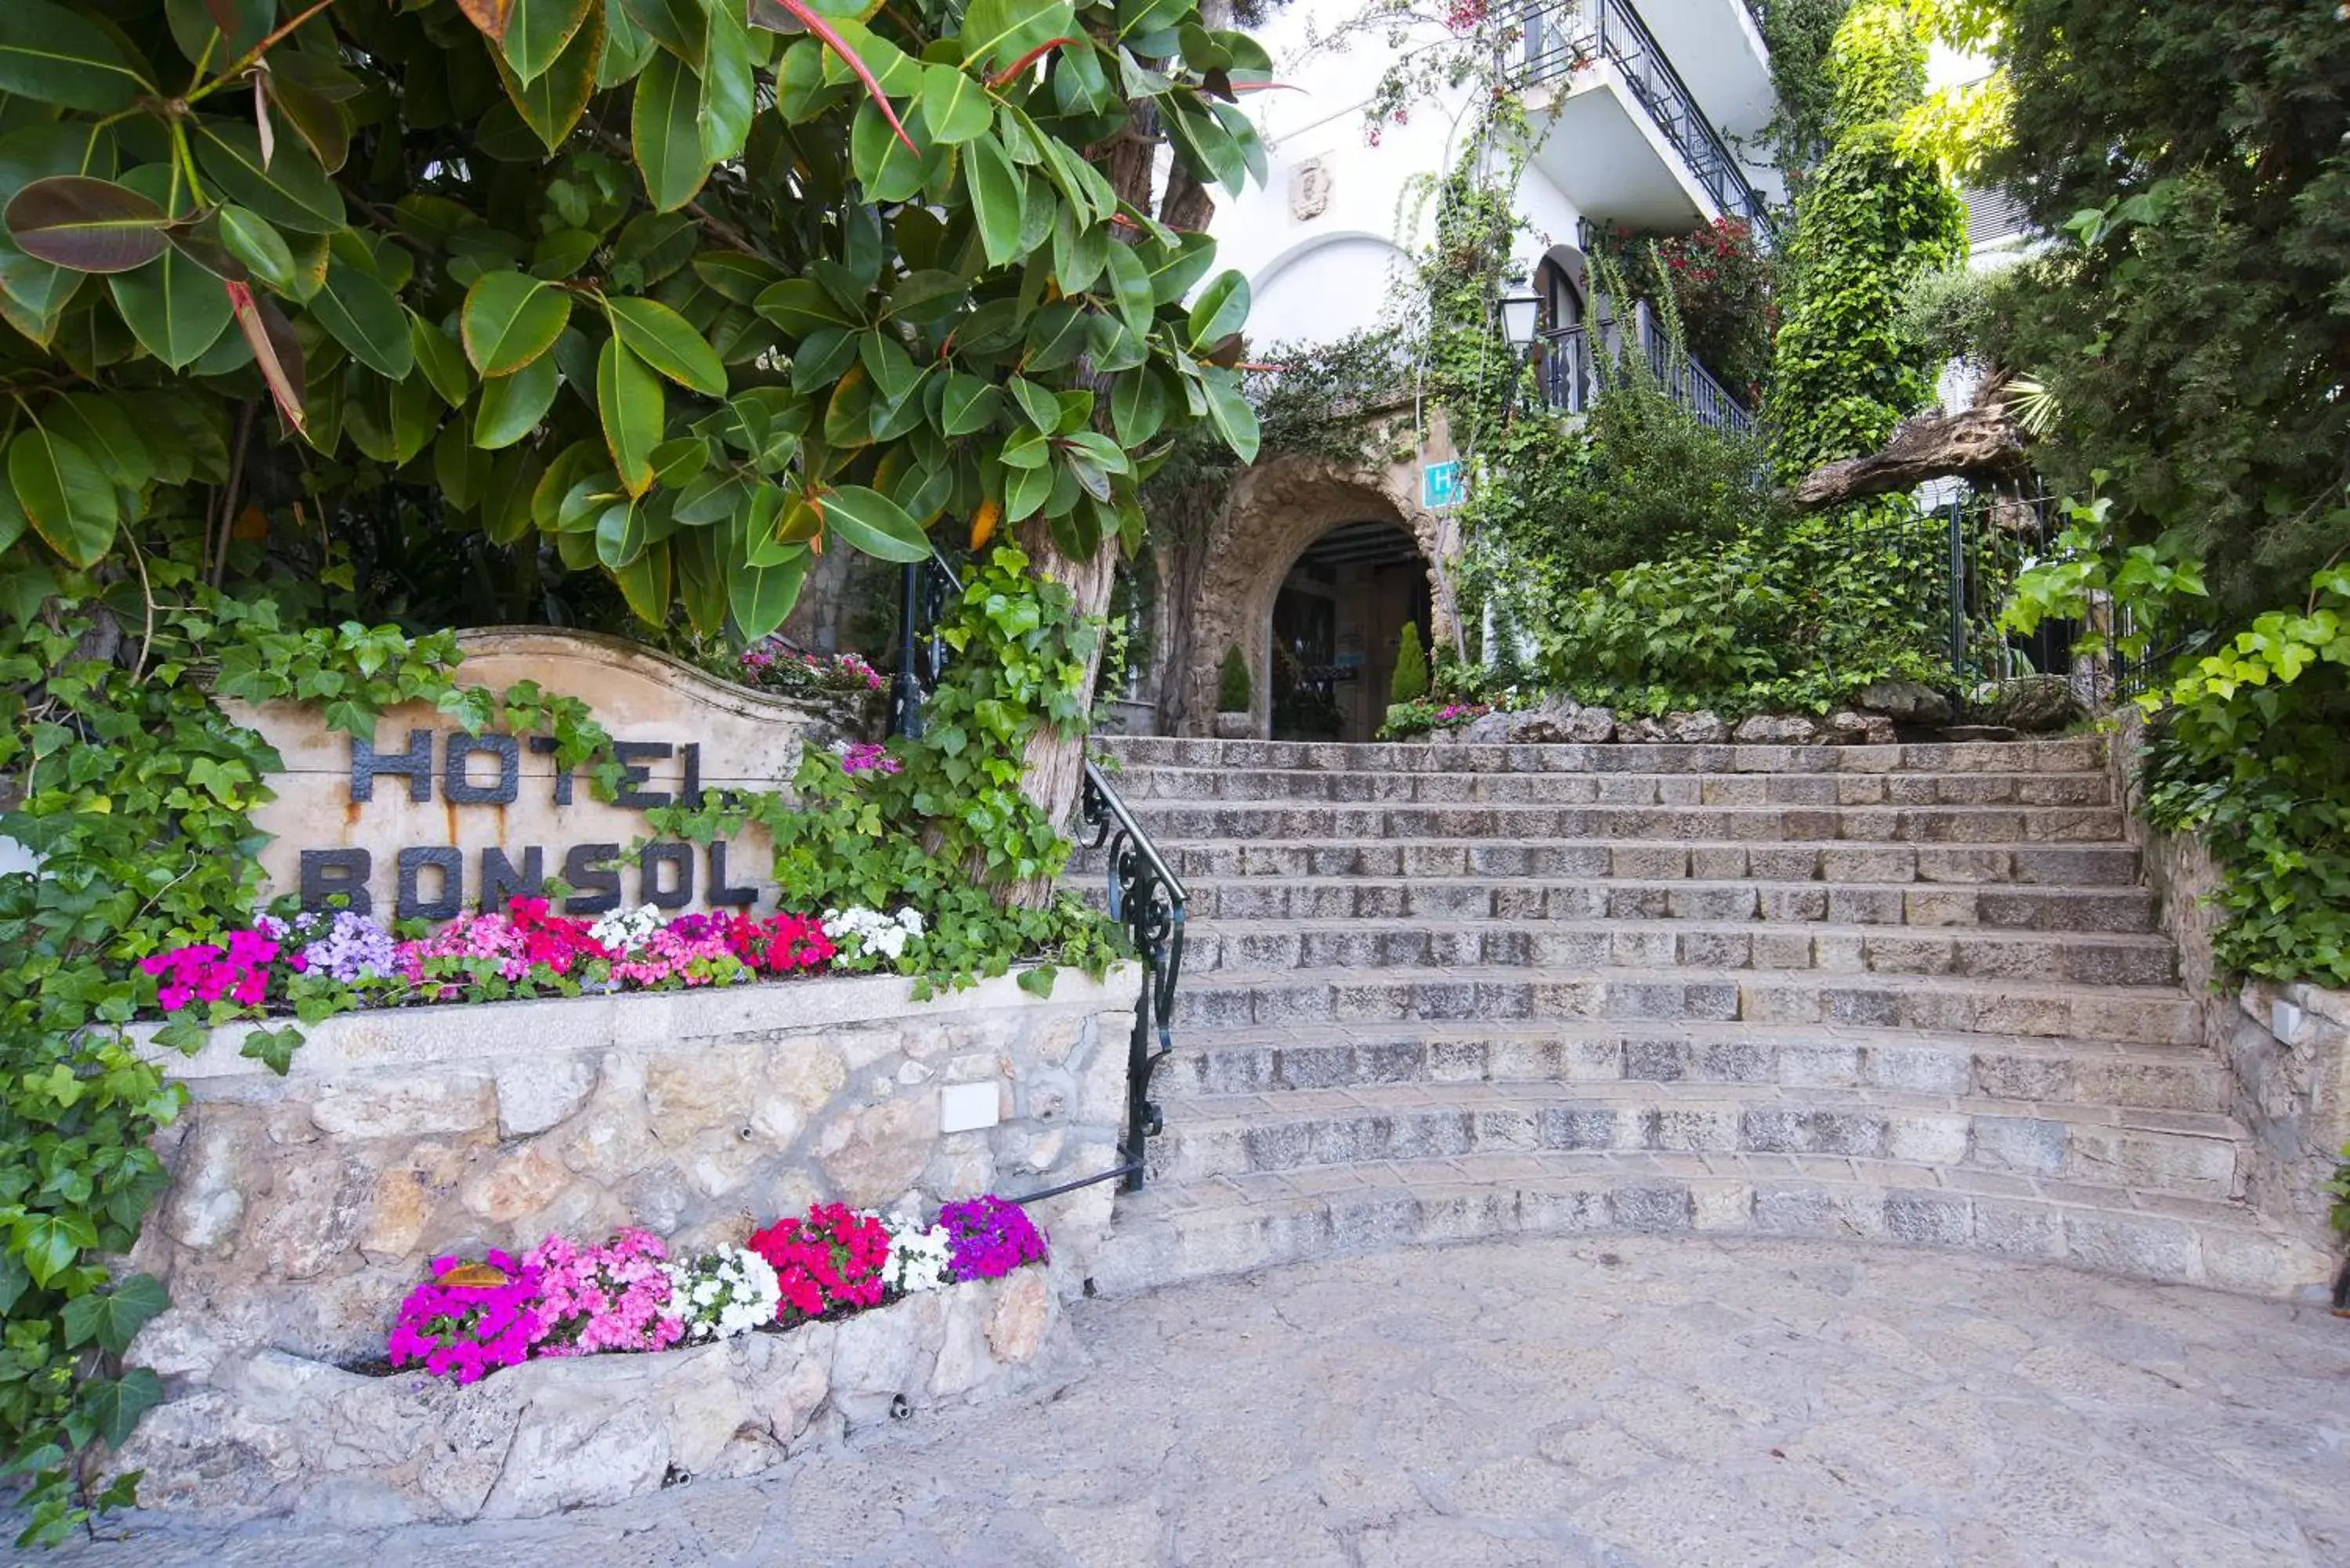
[
  {"x": 317, "y": 963},
  {"x": 564, "y": 1299},
  {"x": 1406, "y": 720}
]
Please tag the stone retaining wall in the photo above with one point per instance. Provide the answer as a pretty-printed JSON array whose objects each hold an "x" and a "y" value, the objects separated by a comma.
[
  {"x": 302, "y": 1209},
  {"x": 2286, "y": 1046}
]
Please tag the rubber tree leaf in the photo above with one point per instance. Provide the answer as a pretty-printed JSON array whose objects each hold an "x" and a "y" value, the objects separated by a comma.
[
  {"x": 88, "y": 225},
  {"x": 275, "y": 351},
  {"x": 292, "y": 191},
  {"x": 997, "y": 33},
  {"x": 869, "y": 521},
  {"x": 366, "y": 319},
  {"x": 955, "y": 105},
  {"x": 969, "y": 404},
  {"x": 250, "y": 238},
  {"x": 647, "y": 584},
  {"x": 511, "y": 407},
  {"x": 1229, "y": 413},
  {"x": 67, "y": 498},
  {"x": 1221, "y": 310},
  {"x": 442, "y": 362},
  {"x": 50, "y": 55},
  {"x": 995, "y": 188},
  {"x": 680, "y": 26},
  {"x": 552, "y": 101},
  {"x": 662, "y": 338},
  {"x": 665, "y": 132},
  {"x": 539, "y": 32},
  {"x": 762, "y": 598},
  {"x": 728, "y": 87},
  {"x": 510, "y": 319},
  {"x": 628, "y": 398},
  {"x": 175, "y": 309}
]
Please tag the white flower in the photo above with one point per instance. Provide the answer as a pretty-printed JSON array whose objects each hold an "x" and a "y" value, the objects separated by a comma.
[
  {"x": 626, "y": 931},
  {"x": 874, "y": 931},
  {"x": 732, "y": 1291},
  {"x": 917, "y": 1255}
]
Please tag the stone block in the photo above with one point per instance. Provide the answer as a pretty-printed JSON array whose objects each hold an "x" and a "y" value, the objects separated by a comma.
[
  {"x": 535, "y": 1092},
  {"x": 408, "y": 1106}
]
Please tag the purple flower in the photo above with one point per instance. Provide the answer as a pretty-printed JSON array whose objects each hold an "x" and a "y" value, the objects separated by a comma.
[{"x": 988, "y": 1237}]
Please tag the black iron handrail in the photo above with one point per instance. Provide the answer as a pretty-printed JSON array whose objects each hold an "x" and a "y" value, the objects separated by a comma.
[
  {"x": 1148, "y": 899},
  {"x": 1571, "y": 381},
  {"x": 1561, "y": 38},
  {"x": 923, "y": 592}
]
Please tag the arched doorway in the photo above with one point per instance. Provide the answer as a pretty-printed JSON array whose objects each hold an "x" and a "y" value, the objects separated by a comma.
[{"x": 1337, "y": 623}]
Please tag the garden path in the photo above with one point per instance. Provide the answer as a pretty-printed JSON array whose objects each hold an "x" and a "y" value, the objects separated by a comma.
[{"x": 1620, "y": 1401}]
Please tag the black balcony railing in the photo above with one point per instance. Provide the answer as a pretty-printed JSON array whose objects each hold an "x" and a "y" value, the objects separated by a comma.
[
  {"x": 1563, "y": 38},
  {"x": 1571, "y": 381}
]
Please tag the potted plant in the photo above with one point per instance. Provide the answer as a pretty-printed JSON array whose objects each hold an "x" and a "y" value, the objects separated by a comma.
[
  {"x": 1232, "y": 695},
  {"x": 1407, "y": 687}
]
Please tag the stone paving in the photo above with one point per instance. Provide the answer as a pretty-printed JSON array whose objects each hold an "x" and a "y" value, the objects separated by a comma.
[{"x": 1624, "y": 1402}]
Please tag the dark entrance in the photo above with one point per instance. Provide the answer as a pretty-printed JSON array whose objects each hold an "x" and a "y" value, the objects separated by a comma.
[{"x": 1336, "y": 623}]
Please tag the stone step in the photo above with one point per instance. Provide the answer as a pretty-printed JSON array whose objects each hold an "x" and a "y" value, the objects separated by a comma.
[
  {"x": 2188, "y": 1153},
  {"x": 1191, "y": 1230},
  {"x": 2003, "y": 908},
  {"x": 1169, "y": 822},
  {"x": 1272, "y": 1061},
  {"x": 1307, "y": 785},
  {"x": 1972, "y": 865},
  {"x": 2072, "y": 753},
  {"x": 1234, "y": 997},
  {"x": 2090, "y": 958}
]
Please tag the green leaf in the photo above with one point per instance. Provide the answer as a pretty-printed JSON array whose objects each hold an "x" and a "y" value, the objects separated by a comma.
[
  {"x": 1042, "y": 407},
  {"x": 970, "y": 404},
  {"x": 1129, "y": 283},
  {"x": 511, "y": 407},
  {"x": 88, "y": 225},
  {"x": 112, "y": 1319},
  {"x": 995, "y": 197},
  {"x": 98, "y": 424},
  {"x": 621, "y": 532},
  {"x": 762, "y": 598},
  {"x": 729, "y": 89},
  {"x": 955, "y": 104},
  {"x": 50, "y": 55},
  {"x": 1229, "y": 413},
  {"x": 801, "y": 305},
  {"x": 1137, "y": 407},
  {"x": 1172, "y": 275},
  {"x": 1221, "y": 310},
  {"x": 390, "y": 420},
  {"x": 65, "y": 496},
  {"x": 629, "y": 398},
  {"x": 366, "y": 319},
  {"x": 997, "y": 33},
  {"x": 293, "y": 191},
  {"x": 444, "y": 362},
  {"x": 115, "y": 1404},
  {"x": 175, "y": 309},
  {"x": 551, "y": 99},
  {"x": 869, "y": 521},
  {"x": 662, "y": 338},
  {"x": 681, "y": 26},
  {"x": 665, "y": 133},
  {"x": 537, "y": 31},
  {"x": 510, "y": 319},
  {"x": 49, "y": 1244},
  {"x": 889, "y": 170},
  {"x": 264, "y": 251},
  {"x": 1024, "y": 490}
]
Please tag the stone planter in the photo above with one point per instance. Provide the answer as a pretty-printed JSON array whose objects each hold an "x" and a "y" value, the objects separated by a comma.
[
  {"x": 1235, "y": 727},
  {"x": 277, "y": 1433}
]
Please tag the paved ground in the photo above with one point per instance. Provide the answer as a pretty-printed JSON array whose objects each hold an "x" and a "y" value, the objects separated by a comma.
[{"x": 1618, "y": 1403}]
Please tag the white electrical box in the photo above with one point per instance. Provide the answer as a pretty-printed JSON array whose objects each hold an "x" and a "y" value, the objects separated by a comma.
[{"x": 967, "y": 1107}]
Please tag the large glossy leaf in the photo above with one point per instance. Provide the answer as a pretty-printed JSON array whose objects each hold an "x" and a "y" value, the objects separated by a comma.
[
  {"x": 552, "y": 101},
  {"x": 701, "y": 580},
  {"x": 995, "y": 193},
  {"x": 1129, "y": 284},
  {"x": 622, "y": 532},
  {"x": 888, "y": 168},
  {"x": 646, "y": 582},
  {"x": 89, "y": 225},
  {"x": 390, "y": 421},
  {"x": 970, "y": 404},
  {"x": 665, "y": 132},
  {"x": 661, "y": 338},
  {"x": 955, "y": 105},
  {"x": 50, "y": 55},
  {"x": 634, "y": 411},
  {"x": 1229, "y": 413},
  {"x": 100, "y": 426},
  {"x": 729, "y": 90},
  {"x": 64, "y": 493},
  {"x": 1221, "y": 310},
  {"x": 249, "y": 237},
  {"x": 366, "y": 319},
  {"x": 318, "y": 120},
  {"x": 510, "y": 319},
  {"x": 12, "y": 523},
  {"x": 680, "y": 26},
  {"x": 175, "y": 309},
  {"x": 762, "y": 598},
  {"x": 511, "y": 407},
  {"x": 292, "y": 191},
  {"x": 539, "y": 31},
  {"x": 442, "y": 362},
  {"x": 800, "y": 306},
  {"x": 227, "y": 28},
  {"x": 1137, "y": 407},
  {"x": 997, "y": 34},
  {"x": 869, "y": 521}
]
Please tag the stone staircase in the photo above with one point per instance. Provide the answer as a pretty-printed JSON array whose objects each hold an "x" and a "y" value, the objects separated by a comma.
[{"x": 1908, "y": 994}]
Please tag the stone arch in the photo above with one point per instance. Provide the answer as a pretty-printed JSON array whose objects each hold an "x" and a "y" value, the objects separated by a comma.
[{"x": 1275, "y": 513}]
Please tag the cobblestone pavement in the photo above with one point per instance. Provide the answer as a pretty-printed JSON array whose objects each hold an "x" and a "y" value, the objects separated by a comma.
[{"x": 1622, "y": 1401}]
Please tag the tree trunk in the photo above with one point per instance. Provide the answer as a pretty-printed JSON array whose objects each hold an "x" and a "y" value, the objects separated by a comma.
[{"x": 1979, "y": 443}]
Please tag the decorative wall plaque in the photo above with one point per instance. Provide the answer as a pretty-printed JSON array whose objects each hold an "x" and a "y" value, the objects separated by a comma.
[{"x": 1309, "y": 190}]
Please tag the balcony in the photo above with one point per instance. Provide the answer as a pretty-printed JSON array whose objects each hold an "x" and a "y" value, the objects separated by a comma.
[
  {"x": 1570, "y": 381},
  {"x": 1623, "y": 135}
]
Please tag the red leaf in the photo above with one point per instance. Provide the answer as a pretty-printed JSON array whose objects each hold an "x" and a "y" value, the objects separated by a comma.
[
  {"x": 832, "y": 40},
  {"x": 223, "y": 15},
  {"x": 489, "y": 15},
  {"x": 274, "y": 349},
  {"x": 1024, "y": 62},
  {"x": 87, "y": 225}
]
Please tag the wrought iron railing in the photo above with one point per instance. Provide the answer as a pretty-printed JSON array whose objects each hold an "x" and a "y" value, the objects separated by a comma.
[
  {"x": 1571, "y": 381},
  {"x": 1563, "y": 38},
  {"x": 1145, "y": 895}
]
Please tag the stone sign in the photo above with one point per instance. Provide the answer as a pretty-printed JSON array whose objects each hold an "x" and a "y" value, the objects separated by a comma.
[
  {"x": 427, "y": 821},
  {"x": 1309, "y": 190}
]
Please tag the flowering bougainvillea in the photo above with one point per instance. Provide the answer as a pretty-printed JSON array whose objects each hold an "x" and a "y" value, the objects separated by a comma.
[
  {"x": 721, "y": 1294},
  {"x": 831, "y": 1258},
  {"x": 988, "y": 1237},
  {"x": 773, "y": 663},
  {"x": 615, "y": 1296},
  {"x": 471, "y": 1318}
]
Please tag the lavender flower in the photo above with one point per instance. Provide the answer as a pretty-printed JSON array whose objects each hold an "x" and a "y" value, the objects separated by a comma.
[{"x": 347, "y": 948}]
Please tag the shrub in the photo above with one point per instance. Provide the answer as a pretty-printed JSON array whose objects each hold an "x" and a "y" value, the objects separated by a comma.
[
  {"x": 1410, "y": 682},
  {"x": 1232, "y": 684}
]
